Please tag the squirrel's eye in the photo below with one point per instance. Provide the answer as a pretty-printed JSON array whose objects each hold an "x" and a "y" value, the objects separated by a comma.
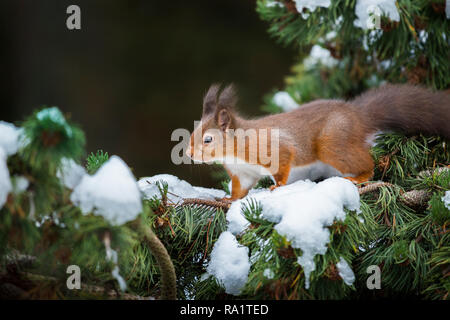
[{"x": 207, "y": 139}]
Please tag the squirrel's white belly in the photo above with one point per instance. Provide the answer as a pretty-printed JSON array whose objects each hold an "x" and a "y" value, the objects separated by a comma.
[
  {"x": 313, "y": 171},
  {"x": 249, "y": 174}
]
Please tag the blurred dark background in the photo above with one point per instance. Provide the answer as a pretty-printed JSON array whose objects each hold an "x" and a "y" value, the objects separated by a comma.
[{"x": 136, "y": 70}]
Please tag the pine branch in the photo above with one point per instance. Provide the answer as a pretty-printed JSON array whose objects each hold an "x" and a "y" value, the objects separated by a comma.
[
  {"x": 168, "y": 276},
  {"x": 413, "y": 198}
]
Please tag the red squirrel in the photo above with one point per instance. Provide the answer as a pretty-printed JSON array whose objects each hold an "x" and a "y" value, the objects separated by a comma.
[{"x": 319, "y": 139}]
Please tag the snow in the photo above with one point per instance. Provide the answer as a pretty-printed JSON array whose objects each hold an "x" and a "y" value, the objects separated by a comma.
[
  {"x": 9, "y": 144},
  {"x": 319, "y": 55},
  {"x": 311, "y": 4},
  {"x": 365, "y": 8},
  {"x": 236, "y": 220},
  {"x": 177, "y": 189},
  {"x": 210, "y": 193},
  {"x": 119, "y": 278},
  {"x": 447, "y": 9},
  {"x": 47, "y": 217},
  {"x": 70, "y": 173},
  {"x": 423, "y": 36},
  {"x": 9, "y": 137},
  {"x": 346, "y": 272},
  {"x": 330, "y": 35},
  {"x": 19, "y": 184},
  {"x": 111, "y": 255},
  {"x": 55, "y": 115},
  {"x": 112, "y": 192},
  {"x": 269, "y": 274},
  {"x": 5, "y": 181},
  {"x": 284, "y": 101},
  {"x": 339, "y": 20},
  {"x": 301, "y": 211},
  {"x": 446, "y": 199},
  {"x": 229, "y": 263},
  {"x": 260, "y": 253},
  {"x": 271, "y": 3}
]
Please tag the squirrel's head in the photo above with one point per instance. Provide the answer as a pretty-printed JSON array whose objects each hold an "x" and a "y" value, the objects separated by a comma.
[{"x": 208, "y": 141}]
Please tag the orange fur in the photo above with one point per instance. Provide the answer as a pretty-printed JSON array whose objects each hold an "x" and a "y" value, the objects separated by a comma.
[{"x": 330, "y": 132}]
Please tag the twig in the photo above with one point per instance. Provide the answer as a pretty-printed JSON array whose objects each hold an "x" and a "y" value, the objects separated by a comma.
[
  {"x": 222, "y": 204},
  {"x": 374, "y": 186},
  {"x": 411, "y": 198}
]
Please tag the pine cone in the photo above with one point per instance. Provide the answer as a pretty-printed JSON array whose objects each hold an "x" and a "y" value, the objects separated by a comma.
[{"x": 416, "y": 198}]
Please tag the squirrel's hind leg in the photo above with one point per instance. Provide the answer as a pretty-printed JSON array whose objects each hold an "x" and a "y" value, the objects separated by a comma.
[
  {"x": 361, "y": 178},
  {"x": 351, "y": 158}
]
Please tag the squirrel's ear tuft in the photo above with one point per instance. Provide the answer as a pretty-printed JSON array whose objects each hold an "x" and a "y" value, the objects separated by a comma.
[
  {"x": 210, "y": 100},
  {"x": 224, "y": 119},
  {"x": 228, "y": 97},
  {"x": 220, "y": 105}
]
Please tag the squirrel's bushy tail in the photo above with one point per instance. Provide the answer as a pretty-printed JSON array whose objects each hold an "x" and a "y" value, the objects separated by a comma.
[{"x": 408, "y": 108}]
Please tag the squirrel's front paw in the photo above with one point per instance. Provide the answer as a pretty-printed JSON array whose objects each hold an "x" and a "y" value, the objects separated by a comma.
[
  {"x": 227, "y": 199},
  {"x": 276, "y": 185}
]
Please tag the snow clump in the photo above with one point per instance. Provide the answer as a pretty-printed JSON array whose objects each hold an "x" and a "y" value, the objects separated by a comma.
[
  {"x": 177, "y": 189},
  {"x": 302, "y": 211},
  {"x": 229, "y": 263},
  {"x": 112, "y": 192}
]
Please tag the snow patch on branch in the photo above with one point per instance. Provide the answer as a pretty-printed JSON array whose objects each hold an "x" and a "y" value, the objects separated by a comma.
[
  {"x": 5, "y": 180},
  {"x": 111, "y": 255},
  {"x": 345, "y": 272},
  {"x": 272, "y": 3},
  {"x": 365, "y": 8},
  {"x": 302, "y": 211},
  {"x": 177, "y": 189},
  {"x": 446, "y": 199},
  {"x": 19, "y": 184},
  {"x": 70, "y": 173},
  {"x": 55, "y": 115},
  {"x": 229, "y": 263},
  {"x": 9, "y": 145},
  {"x": 9, "y": 137},
  {"x": 112, "y": 192},
  {"x": 319, "y": 55},
  {"x": 311, "y": 5}
]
